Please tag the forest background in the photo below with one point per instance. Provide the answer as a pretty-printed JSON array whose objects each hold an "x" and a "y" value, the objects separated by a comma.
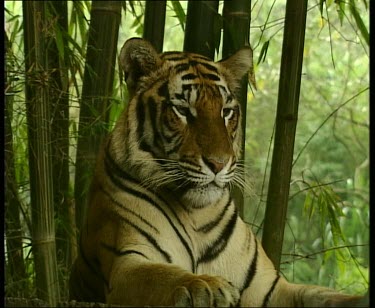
[{"x": 327, "y": 227}]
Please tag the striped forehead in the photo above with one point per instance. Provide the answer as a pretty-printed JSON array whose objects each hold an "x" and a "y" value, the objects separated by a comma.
[{"x": 192, "y": 73}]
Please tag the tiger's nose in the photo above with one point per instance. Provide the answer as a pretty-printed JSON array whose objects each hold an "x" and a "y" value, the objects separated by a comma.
[{"x": 216, "y": 164}]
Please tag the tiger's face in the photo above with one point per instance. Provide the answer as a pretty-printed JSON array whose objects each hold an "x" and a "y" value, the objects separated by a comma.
[{"x": 183, "y": 120}]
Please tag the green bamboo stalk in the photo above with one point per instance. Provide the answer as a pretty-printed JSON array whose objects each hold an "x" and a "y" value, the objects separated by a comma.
[
  {"x": 236, "y": 34},
  {"x": 286, "y": 122},
  {"x": 58, "y": 61},
  {"x": 96, "y": 95},
  {"x": 154, "y": 21},
  {"x": 201, "y": 20},
  {"x": 40, "y": 153},
  {"x": 13, "y": 230}
]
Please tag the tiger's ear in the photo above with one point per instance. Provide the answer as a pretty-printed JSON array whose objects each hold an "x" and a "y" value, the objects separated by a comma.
[
  {"x": 137, "y": 58},
  {"x": 239, "y": 64}
]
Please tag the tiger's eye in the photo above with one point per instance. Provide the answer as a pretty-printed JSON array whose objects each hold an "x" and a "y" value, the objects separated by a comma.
[
  {"x": 181, "y": 110},
  {"x": 228, "y": 113}
]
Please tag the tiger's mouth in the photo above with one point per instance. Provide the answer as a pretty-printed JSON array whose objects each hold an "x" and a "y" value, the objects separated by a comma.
[
  {"x": 185, "y": 180},
  {"x": 200, "y": 195},
  {"x": 201, "y": 188}
]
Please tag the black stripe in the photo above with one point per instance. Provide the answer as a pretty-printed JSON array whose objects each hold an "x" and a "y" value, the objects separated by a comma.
[
  {"x": 221, "y": 242},
  {"x": 170, "y": 135},
  {"x": 175, "y": 147},
  {"x": 152, "y": 113},
  {"x": 200, "y": 57},
  {"x": 180, "y": 96},
  {"x": 176, "y": 58},
  {"x": 211, "y": 77},
  {"x": 181, "y": 67},
  {"x": 224, "y": 90},
  {"x": 115, "y": 168},
  {"x": 163, "y": 91},
  {"x": 140, "y": 114},
  {"x": 191, "y": 166},
  {"x": 146, "y": 235},
  {"x": 213, "y": 223},
  {"x": 121, "y": 253},
  {"x": 112, "y": 171},
  {"x": 251, "y": 270},
  {"x": 121, "y": 173},
  {"x": 151, "y": 239},
  {"x": 268, "y": 295},
  {"x": 170, "y": 53},
  {"x": 169, "y": 126},
  {"x": 141, "y": 118},
  {"x": 186, "y": 87},
  {"x": 189, "y": 76},
  {"x": 128, "y": 210},
  {"x": 209, "y": 67}
]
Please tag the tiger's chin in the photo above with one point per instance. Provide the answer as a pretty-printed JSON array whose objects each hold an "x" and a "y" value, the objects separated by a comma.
[{"x": 201, "y": 196}]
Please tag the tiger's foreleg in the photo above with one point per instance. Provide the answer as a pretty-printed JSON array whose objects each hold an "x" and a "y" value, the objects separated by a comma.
[
  {"x": 138, "y": 283},
  {"x": 294, "y": 295},
  {"x": 315, "y": 296},
  {"x": 269, "y": 289}
]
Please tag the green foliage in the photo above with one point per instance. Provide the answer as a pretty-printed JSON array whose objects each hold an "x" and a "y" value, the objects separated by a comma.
[
  {"x": 331, "y": 144},
  {"x": 180, "y": 13},
  {"x": 263, "y": 52},
  {"x": 326, "y": 202},
  {"x": 359, "y": 22}
]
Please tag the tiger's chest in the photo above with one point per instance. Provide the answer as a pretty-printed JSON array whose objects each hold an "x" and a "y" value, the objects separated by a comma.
[{"x": 203, "y": 241}]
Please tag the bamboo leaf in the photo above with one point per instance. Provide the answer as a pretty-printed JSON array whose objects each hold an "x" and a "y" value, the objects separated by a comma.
[
  {"x": 365, "y": 4},
  {"x": 321, "y": 5},
  {"x": 218, "y": 26},
  {"x": 263, "y": 52},
  {"x": 14, "y": 31},
  {"x": 333, "y": 212},
  {"x": 359, "y": 22},
  {"x": 138, "y": 25},
  {"x": 80, "y": 18},
  {"x": 335, "y": 226},
  {"x": 180, "y": 13},
  {"x": 340, "y": 7},
  {"x": 327, "y": 255},
  {"x": 75, "y": 44},
  {"x": 59, "y": 42},
  {"x": 308, "y": 205}
]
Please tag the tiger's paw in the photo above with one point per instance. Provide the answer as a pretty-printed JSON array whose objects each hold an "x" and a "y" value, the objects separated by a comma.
[{"x": 206, "y": 291}]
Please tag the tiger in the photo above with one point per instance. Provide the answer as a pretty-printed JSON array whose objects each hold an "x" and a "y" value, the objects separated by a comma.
[{"x": 162, "y": 228}]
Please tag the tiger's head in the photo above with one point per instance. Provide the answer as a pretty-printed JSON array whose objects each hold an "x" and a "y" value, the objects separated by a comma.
[{"x": 181, "y": 129}]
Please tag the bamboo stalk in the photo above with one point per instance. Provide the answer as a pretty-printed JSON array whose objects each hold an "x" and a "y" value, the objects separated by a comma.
[
  {"x": 200, "y": 27},
  {"x": 286, "y": 122},
  {"x": 59, "y": 97},
  {"x": 13, "y": 230},
  {"x": 154, "y": 21},
  {"x": 236, "y": 23},
  {"x": 96, "y": 95},
  {"x": 40, "y": 152}
]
